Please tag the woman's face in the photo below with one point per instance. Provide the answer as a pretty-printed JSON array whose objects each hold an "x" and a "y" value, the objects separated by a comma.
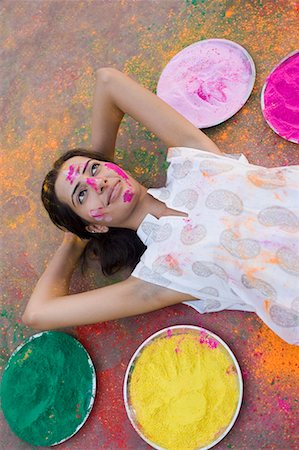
[{"x": 100, "y": 192}]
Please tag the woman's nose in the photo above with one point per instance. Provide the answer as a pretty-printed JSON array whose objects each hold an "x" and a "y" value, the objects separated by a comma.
[{"x": 97, "y": 184}]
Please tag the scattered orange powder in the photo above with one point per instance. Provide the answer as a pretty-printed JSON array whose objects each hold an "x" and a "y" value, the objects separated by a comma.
[
  {"x": 184, "y": 390},
  {"x": 275, "y": 357},
  {"x": 228, "y": 13}
]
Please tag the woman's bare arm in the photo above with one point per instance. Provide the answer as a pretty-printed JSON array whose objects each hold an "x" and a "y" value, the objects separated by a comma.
[
  {"x": 50, "y": 306},
  {"x": 117, "y": 94}
]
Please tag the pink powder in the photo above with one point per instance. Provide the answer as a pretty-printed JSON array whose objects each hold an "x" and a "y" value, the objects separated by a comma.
[
  {"x": 284, "y": 405},
  {"x": 117, "y": 169},
  {"x": 208, "y": 82},
  {"x": 72, "y": 173},
  {"x": 92, "y": 183},
  {"x": 280, "y": 99},
  {"x": 128, "y": 195}
]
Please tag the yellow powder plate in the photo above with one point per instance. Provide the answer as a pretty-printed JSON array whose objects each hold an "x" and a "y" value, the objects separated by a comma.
[{"x": 183, "y": 389}]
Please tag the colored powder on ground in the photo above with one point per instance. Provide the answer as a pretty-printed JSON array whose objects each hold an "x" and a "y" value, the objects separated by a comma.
[
  {"x": 47, "y": 389},
  {"x": 281, "y": 99},
  {"x": 272, "y": 357},
  {"x": 184, "y": 391},
  {"x": 208, "y": 82}
]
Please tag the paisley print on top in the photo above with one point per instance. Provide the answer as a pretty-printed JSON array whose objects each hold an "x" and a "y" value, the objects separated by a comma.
[
  {"x": 207, "y": 268},
  {"x": 278, "y": 216},
  {"x": 153, "y": 277},
  {"x": 240, "y": 248},
  {"x": 167, "y": 263},
  {"x": 209, "y": 290},
  {"x": 212, "y": 168},
  {"x": 157, "y": 232},
  {"x": 288, "y": 260},
  {"x": 261, "y": 286},
  {"x": 283, "y": 317},
  {"x": 266, "y": 179},
  {"x": 191, "y": 234},
  {"x": 181, "y": 170},
  {"x": 227, "y": 200},
  {"x": 187, "y": 198}
]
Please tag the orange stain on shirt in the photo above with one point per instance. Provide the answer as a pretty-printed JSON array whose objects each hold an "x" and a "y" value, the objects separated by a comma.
[{"x": 267, "y": 304}]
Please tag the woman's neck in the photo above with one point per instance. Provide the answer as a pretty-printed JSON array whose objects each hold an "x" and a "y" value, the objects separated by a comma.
[{"x": 150, "y": 205}]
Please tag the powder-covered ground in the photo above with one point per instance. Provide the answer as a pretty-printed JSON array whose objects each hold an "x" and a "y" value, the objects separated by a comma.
[{"x": 50, "y": 51}]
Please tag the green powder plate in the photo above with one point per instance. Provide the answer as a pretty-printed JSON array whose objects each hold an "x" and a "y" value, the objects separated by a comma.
[{"x": 48, "y": 388}]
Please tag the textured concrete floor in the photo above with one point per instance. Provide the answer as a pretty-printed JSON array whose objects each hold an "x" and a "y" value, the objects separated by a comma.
[{"x": 49, "y": 52}]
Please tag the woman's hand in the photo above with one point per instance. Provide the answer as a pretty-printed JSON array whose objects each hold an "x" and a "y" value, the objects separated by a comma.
[{"x": 73, "y": 240}]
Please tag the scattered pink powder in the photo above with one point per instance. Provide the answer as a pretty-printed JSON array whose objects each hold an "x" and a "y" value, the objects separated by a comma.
[
  {"x": 208, "y": 82},
  {"x": 169, "y": 333},
  {"x": 280, "y": 99},
  {"x": 284, "y": 405},
  {"x": 209, "y": 341}
]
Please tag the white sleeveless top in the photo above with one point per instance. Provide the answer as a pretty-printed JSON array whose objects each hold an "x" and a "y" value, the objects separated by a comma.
[{"x": 239, "y": 246}]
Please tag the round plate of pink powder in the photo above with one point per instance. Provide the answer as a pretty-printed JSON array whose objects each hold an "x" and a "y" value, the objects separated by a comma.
[
  {"x": 208, "y": 82},
  {"x": 280, "y": 98}
]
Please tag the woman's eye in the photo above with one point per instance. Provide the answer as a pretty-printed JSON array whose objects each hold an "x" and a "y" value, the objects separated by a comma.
[
  {"x": 94, "y": 168},
  {"x": 81, "y": 196}
]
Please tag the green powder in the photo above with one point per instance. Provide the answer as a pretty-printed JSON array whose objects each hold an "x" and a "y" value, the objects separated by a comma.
[{"x": 48, "y": 388}]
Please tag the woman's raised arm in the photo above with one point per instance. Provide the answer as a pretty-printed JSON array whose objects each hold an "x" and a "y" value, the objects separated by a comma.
[
  {"x": 50, "y": 306},
  {"x": 117, "y": 94}
]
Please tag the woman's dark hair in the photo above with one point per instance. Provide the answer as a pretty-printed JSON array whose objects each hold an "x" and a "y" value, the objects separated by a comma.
[{"x": 117, "y": 249}]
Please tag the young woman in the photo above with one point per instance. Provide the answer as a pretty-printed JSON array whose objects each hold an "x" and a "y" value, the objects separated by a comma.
[{"x": 222, "y": 233}]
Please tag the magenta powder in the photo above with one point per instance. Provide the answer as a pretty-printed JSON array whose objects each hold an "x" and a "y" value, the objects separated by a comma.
[{"x": 280, "y": 99}]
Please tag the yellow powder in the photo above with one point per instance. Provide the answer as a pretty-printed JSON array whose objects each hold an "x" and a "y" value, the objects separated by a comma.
[{"x": 184, "y": 390}]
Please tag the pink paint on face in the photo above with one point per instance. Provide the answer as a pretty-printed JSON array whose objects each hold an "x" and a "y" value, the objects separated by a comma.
[
  {"x": 280, "y": 100},
  {"x": 117, "y": 170},
  {"x": 92, "y": 183},
  {"x": 128, "y": 196},
  {"x": 169, "y": 333},
  {"x": 72, "y": 173}
]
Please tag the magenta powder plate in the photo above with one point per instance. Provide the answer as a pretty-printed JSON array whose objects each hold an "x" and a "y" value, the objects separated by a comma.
[
  {"x": 208, "y": 82},
  {"x": 280, "y": 98}
]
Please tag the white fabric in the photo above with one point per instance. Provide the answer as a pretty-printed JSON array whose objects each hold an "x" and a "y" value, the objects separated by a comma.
[{"x": 238, "y": 248}]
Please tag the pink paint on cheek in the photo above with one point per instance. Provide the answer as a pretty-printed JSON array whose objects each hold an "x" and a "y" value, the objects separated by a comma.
[
  {"x": 117, "y": 169},
  {"x": 128, "y": 196}
]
